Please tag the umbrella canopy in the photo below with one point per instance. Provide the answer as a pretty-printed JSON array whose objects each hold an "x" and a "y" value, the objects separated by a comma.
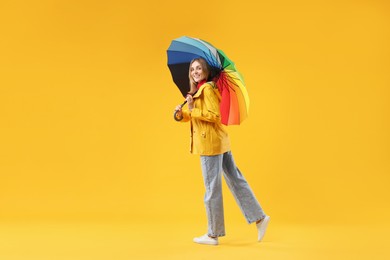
[{"x": 235, "y": 100}]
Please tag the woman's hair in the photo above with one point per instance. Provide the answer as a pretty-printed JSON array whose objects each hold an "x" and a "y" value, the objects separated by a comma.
[{"x": 206, "y": 69}]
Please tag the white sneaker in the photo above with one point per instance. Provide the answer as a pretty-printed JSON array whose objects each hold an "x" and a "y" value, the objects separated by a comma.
[
  {"x": 261, "y": 227},
  {"x": 206, "y": 240}
]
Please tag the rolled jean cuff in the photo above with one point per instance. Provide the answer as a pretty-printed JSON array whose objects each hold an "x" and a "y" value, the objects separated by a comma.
[
  {"x": 250, "y": 222},
  {"x": 212, "y": 235}
]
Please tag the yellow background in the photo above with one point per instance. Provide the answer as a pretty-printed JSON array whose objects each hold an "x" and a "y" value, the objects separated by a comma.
[{"x": 86, "y": 101}]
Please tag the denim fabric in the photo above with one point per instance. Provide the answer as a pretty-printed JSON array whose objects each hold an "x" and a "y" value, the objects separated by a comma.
[{"x": 212, "y": 167}]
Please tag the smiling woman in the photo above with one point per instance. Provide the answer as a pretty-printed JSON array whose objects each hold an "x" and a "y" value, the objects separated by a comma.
[{"x": 209, "y": 139}]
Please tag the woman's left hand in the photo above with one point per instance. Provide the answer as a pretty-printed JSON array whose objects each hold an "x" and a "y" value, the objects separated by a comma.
[{"x": 190, "y": 102}]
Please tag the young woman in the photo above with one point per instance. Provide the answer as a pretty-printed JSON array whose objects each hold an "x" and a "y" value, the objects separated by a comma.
[{"x": 210, "y": 140}]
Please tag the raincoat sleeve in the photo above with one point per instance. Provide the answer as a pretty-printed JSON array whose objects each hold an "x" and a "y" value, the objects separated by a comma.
[
  {"x": 210, "y": 110},
  {"x": 186, "y": 116}
]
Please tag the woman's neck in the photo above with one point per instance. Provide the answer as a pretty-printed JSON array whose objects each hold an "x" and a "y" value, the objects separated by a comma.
[{"x": 200, "y": 83}]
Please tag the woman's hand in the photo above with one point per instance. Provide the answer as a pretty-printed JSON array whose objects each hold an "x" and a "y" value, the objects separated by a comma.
[
  {"x": 190, "y": 102},
  {"x": 178, "y": 112}
]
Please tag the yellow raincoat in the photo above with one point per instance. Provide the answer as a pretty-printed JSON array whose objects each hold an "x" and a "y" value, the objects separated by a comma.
[{"x": 208, "y": 135}]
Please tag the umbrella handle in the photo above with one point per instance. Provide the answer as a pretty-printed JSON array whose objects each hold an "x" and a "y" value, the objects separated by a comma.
[{"x": 175, "y": 114}]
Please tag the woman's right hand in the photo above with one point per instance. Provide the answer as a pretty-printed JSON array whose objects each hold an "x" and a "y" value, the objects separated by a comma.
[{"x": 178, "y": 112}]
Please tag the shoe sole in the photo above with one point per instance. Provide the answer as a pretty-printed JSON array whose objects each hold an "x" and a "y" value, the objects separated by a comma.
[{"x": 206, "y": 243}]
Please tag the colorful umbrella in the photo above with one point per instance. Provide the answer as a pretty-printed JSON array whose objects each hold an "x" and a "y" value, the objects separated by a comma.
[{"x": 235, "y": 100}]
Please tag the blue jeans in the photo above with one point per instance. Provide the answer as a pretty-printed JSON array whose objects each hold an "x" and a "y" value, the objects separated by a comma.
[{"x": 212, "y": 167}]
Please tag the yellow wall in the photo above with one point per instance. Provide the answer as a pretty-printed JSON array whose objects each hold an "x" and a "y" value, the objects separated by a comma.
[{"x": 86, "y": 100}]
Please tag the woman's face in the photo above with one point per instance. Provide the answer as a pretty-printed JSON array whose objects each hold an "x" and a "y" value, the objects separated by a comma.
[{"x": 197, "y": 72}]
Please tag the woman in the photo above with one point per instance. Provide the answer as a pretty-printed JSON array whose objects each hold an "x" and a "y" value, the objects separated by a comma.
[{"x": 210, "y": 140}]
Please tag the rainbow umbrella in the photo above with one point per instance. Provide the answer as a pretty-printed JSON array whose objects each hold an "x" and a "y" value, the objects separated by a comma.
[{"x": 235, "y": 100}]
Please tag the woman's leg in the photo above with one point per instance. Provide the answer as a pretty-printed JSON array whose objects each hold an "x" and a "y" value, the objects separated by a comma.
[
  {"x": 243, "y": 194},
  {"x": 211, "y": 169}
]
